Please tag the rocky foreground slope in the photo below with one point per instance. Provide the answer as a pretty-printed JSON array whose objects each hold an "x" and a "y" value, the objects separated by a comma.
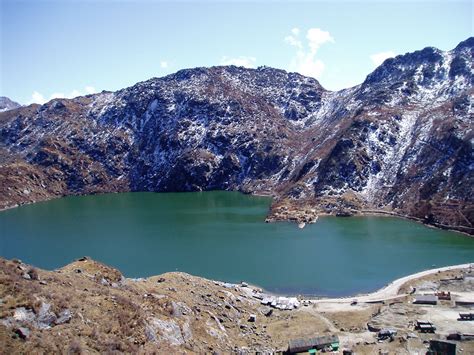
[
  {"x": 400, "y": 142},
  {"x": 88, "y": 307}
]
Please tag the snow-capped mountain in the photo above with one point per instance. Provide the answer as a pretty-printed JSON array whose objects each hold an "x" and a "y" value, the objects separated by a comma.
[
  {"x": 399, "y": 142},
  {"x": 7, "y": 104}
]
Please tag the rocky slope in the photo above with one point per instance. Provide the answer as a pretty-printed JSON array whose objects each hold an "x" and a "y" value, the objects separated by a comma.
[
  {"x": 401, "y": 142},
  {"x": 7, "y": 104},
  {"x": 88, "y": 307}
]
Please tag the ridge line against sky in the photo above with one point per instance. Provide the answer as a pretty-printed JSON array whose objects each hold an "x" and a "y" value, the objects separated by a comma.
[{"x": 68, "y": 48}]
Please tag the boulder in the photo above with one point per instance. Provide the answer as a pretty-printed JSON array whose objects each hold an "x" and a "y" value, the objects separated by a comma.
[
  {"x": 45, "y": 317},
  {"x": 64, "y": 317},
  {"x": 23, "y": 332}
]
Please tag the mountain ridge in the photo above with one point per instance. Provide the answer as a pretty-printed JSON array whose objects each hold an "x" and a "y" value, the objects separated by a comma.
[
  {"x": 7, "y": 104},
  {"x": 397, "y": 143}
]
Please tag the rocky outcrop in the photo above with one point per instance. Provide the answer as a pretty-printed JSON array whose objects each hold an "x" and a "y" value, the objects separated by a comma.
[{"x": 400, "y": 142}]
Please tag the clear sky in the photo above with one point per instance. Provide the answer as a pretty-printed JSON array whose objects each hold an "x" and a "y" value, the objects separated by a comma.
[{"x": 70, "y": 47}]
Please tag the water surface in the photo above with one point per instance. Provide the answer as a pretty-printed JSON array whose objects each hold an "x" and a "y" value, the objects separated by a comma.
[{"x": 222, "y": 235}]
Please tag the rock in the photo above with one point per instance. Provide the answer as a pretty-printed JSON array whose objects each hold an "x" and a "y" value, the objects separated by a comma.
[
  {"x": 57, "y": 105},
  {"x": 150, "y": 333},
  {"x": 84, "y": 258},
  {"x": 180, "y": 309},
  {"x": 266, "y": 311},
  {"x": 187, "y": 332},
  {"x": 64, "y": 317},
  {"x": 33, "y": 273},
  {"x": 45, "y": 316},
  {"x": 161, "y": 279},
  {"x": 23, "y": 332},
  {"x": 343, "y": 213},
  {"x": 252, "y": 318},
  {"x": 26, "y": 276},
  {"x": 24, "y": 315},
  {"x": 168, "y": 331}
]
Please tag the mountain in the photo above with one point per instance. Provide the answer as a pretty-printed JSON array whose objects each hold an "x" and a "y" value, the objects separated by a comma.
[
  {"x": 7, "y": 104},
  {"x": 399, "y": 143}
]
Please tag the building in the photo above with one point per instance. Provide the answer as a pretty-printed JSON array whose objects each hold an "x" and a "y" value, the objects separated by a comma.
[
  {"x": 330, "y": 342},
  {"x": 466, "y": 316},
  {"x": 465, "y": 302},
  {"x": 444, "y": 295},
  {"x": 439, "y": 347},
  {"x": 425, "y": 326},
  {"x": 426, "y": 299}
]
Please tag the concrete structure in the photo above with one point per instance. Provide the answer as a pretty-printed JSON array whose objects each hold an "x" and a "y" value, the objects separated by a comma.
[{"x": 426, "y": 299}]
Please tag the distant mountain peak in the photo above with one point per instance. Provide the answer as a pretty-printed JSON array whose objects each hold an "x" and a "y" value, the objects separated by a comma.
[
  {"x": 468, "y": 43},
  {"x": 7, "y": 104}
]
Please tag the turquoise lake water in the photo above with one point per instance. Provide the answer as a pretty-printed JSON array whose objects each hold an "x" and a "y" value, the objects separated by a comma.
[{"x": 222, "y": 236}]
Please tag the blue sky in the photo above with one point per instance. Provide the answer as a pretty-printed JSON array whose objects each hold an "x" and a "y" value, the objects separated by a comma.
[{"x": 67, "y": 48}]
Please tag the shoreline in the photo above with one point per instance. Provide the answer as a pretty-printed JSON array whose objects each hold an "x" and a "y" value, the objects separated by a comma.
[
  {"x": 390, "y": 290},
  {"x": 356, "y": 213},
  {"x": 385, "y": 293}
]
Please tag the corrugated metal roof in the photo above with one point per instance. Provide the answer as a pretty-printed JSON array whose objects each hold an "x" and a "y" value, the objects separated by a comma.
[
  {"x": 426, "y": 298},
  {"x": 299, "y": 345}
]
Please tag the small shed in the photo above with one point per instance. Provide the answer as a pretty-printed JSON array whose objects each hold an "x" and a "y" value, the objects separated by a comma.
[
  {"x": 466, "y": 316},
  {"x": 317, "y": 343},
  {"x": 425, "y": 326},
  {"x": 444, "y": 295},
  {"x": 426, "y": 299},
  {"x": 466, "y": 302},
  {"x": 460, "y": 336},
  {"x": 439, "y": 347}
]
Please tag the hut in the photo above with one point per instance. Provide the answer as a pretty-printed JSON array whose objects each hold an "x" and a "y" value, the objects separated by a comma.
[
  {"x": 439, "y": 347},
  {"x": 329, "y": 342},
  {"x": 466, "y": 316},
  {"x": 426, "y": 299},
  {"x": 465, "y": 302},
  {"x": 425, "y": 326},
  {"x": 444, "y": 295}
]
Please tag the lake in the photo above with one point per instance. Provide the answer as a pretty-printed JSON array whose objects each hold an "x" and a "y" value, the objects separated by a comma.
[{"x": 222, "y": 236}]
